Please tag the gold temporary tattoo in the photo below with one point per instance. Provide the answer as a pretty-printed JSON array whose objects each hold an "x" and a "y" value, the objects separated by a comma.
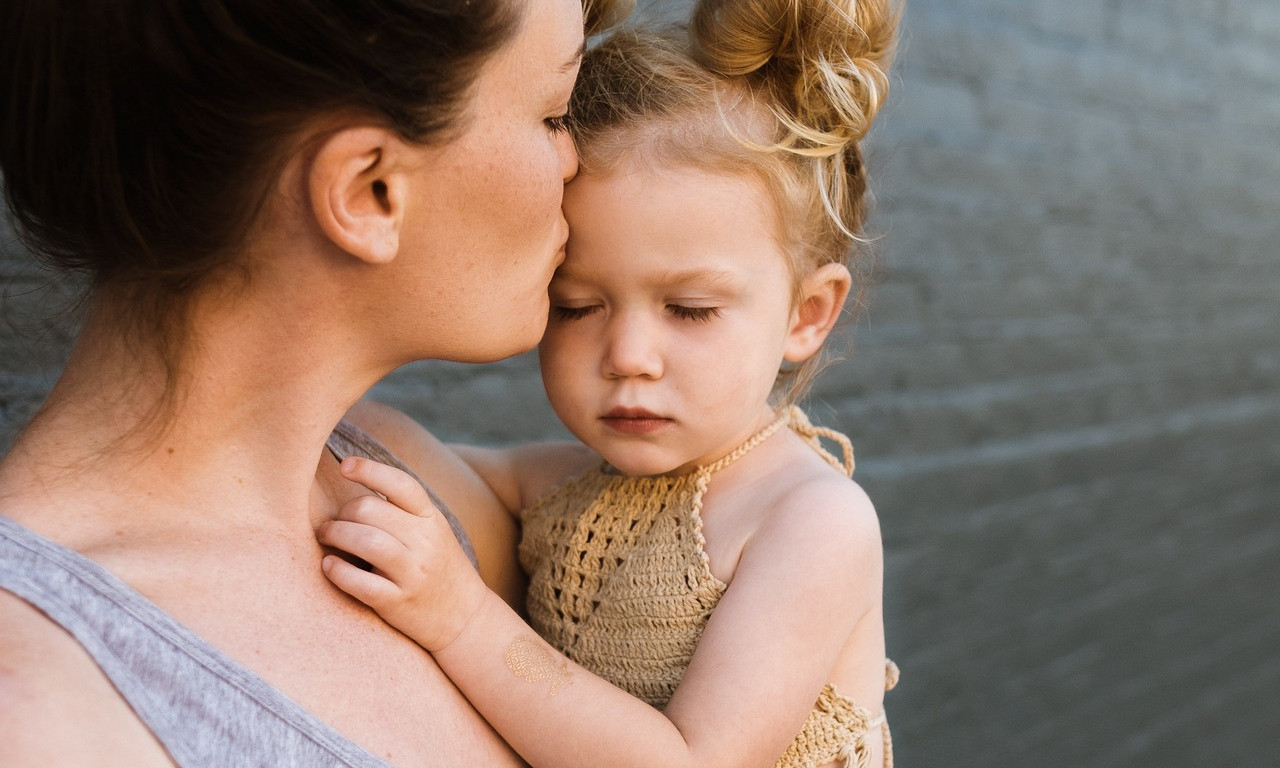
[{"x": 529, "y": 660}]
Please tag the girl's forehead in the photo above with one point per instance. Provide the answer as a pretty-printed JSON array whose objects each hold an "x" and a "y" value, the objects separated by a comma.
[
  {"x": 641, "y": 171},
  {"x": 656, "y": 228}
]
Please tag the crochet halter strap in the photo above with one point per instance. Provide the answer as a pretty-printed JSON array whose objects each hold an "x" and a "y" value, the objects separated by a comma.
[{"x": 793, "y": 417}]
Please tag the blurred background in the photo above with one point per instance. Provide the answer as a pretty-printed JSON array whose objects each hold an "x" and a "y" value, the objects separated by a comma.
[{"x": 1065, "y": 392}]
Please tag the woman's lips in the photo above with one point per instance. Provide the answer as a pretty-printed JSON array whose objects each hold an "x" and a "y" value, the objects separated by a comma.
[{"x": 634, "y": 421}]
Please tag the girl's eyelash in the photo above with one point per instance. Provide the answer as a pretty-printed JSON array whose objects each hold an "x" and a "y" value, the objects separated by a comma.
[
  {"x": 571, "y": 313},
  {"x": 679, "y": 311},
  {"x": 558, "y": 124},
  {"x": 697, "y": 314}
]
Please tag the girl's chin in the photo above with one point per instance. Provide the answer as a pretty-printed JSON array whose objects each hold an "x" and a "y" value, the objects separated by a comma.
[{"x": 637, "y": 467}]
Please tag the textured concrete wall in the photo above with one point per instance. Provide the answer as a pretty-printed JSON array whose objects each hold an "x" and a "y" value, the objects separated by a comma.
[
  {"x": 1065, "y": 394},
  {"x": 37, "y": 321},
  {"x": 1068, "y": 387}
]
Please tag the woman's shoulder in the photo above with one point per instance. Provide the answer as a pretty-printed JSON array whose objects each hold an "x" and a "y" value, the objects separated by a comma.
[
  {"x": 56, "y": 706},
  {"x": 402, "y": 435},
  {"x": 540, "y": 465},
  {"x": 428, "y": 457},
  {"x": 484, "y": 516}
]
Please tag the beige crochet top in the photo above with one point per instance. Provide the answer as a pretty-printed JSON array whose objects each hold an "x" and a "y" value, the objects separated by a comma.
[{"x": 619, "y": 581}]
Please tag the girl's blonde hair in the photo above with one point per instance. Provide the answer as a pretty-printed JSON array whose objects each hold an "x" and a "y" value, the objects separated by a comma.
[{"x": 780, "y": 90}]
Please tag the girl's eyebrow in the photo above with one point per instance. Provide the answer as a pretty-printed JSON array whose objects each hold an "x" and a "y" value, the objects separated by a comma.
[
  {"x": 715, "y": 278},
  {"x": 700, "y": 276}
]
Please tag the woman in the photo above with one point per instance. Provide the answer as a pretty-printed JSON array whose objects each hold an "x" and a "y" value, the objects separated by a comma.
[{"x": 277, "y": 204}]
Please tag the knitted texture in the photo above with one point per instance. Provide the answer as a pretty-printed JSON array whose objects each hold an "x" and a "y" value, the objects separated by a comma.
[{"x": 620, "y": 582}]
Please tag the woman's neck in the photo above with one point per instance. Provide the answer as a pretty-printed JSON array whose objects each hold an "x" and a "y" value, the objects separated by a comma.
[{"x": 237, "y": 432}]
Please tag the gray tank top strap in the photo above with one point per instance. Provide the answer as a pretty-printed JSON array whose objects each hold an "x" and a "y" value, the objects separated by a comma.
[
  {"x": 208, "y": 710},
  {"x": 349, "y": 440}
]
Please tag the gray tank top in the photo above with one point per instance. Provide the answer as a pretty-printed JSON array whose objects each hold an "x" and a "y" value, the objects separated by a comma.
[{"x": 208, "y": 710}]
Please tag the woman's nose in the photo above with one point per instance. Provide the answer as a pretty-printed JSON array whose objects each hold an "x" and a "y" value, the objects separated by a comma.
[{"x": 632, "y": 349}]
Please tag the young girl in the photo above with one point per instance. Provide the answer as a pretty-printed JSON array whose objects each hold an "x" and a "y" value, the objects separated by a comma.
[{"x": 714, "y": 584}]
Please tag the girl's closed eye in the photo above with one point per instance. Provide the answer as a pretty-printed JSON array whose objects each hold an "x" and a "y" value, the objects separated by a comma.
[
  {"x": 697, "y": 314},
  {"x": 565, "y": 312}
]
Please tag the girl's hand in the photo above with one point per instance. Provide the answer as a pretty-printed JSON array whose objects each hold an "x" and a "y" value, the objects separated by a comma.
[{"x": 422, "y": 582}]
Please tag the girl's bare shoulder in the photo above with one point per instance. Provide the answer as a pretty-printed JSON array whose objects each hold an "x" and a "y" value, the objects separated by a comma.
[{"x": 816, "y": 508}]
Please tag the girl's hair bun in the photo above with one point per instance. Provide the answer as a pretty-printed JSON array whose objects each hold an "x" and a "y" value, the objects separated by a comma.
[
  {"x": 822, "y": 68},
  {"x": 823, "y": 63}
]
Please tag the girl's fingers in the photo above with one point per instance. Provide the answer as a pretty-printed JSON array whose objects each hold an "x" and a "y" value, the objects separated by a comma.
[
  {"x": 369, "y": 588},
  {"x": 406, "y": 527},
  {"x": 396, "y": 486},
  {"x": 374, "y": 545},
  {"x": 369, "y": 509}
]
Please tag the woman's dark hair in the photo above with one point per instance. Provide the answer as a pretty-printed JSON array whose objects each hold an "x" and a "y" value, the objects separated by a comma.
[{"x": 138, "y": 138}]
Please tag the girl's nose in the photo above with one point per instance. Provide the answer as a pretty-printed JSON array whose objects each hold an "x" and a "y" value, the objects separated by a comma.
[
  {"x": 631, "y": 349},
  {"x": 568, "y": 152}
]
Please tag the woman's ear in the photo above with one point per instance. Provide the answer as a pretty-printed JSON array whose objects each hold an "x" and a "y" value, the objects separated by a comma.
[
  {"x": 822, "y": 295},
  {"x": 357, "y": 192}
]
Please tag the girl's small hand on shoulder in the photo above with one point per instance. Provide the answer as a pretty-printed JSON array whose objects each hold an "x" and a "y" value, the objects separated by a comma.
[{"x": 420, "y": 581}]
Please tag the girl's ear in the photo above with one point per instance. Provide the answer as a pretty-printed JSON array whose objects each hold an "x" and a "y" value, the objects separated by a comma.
[
  {"x": 357, "y": 188},
  {"x": 822, "y": 295}
]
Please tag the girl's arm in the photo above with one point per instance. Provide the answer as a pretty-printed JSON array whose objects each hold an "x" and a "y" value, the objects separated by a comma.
[
  {"x": 520, "y": 474},
  {"x": 803, "y": 584}
]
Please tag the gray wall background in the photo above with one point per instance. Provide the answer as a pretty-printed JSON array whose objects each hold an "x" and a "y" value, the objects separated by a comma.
[{"x": 1065, "y": 394}]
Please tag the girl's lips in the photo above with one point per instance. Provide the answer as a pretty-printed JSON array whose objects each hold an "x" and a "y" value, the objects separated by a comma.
[{"x": 634, "y": 421}]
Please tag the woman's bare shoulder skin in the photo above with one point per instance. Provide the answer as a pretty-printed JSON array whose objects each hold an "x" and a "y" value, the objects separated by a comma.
[{"x": 57, "y": 708}]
